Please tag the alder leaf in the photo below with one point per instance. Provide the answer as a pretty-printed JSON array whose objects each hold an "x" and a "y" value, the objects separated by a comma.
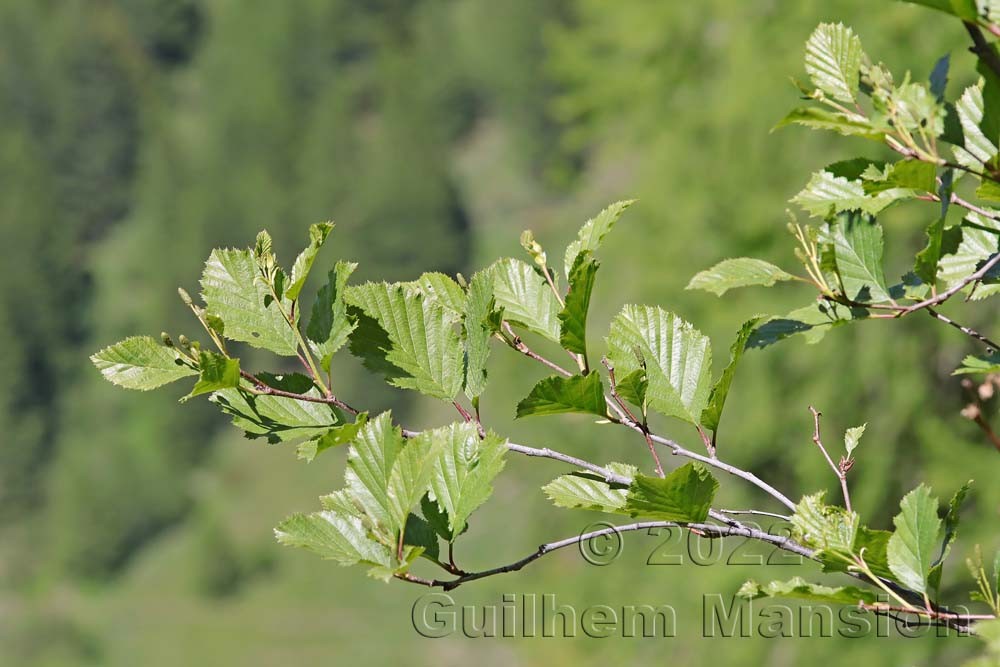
[
  {"x": 739, "y": 272},
  {"x": 303, "y": 263},
  {"x": 330, "y": 326},
  {"x": 712, "y": 413},
  {"x": 592, "y": 234},
  {"x": 558, "y": 395},
  {"x": 141, "y": 362},
  {"x": 573, "y": 316},
  {"x": 912, "y": 545},
  {"x": 526, "y": 298},
  {"x": 684, "y": 495},
  {"x": 833, "y": 61}
]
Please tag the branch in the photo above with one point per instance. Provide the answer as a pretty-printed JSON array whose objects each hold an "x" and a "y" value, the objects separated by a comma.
[
  {"x": 840, "y": 471},
  {"x": 968, "y": 331},
  {"x": 982, "y": 48},
  {"x": 260, "y": 388}
]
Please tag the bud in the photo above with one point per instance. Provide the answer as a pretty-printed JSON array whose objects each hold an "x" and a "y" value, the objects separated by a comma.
[
  {"x": 533, "y": 248},
  {"x": 183, "y": 340},
  {"x": 165, "y": 339},
  {"x": 185, "y": 297}
]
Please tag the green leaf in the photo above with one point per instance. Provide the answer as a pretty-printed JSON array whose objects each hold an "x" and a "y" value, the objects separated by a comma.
[
  {"x": 592, "y": 234},
  {"x": 979, "y": 365},
  {"x": 817, "y": 118},
  {"x": 871, "y": 544},
  {"x": 826, "y": 527},
  {"x": 336, "y": 436},
  {"x": 812, "y": 321},
  {"x": 977, "y": 149},
  {"x": 988, "y": 190},
  {"x": 479, "y": 304},
  {"x": 676, "y": 356},
  {"x": 740, "y": 272},
  {"x": 142, "y": 363},
  {"x": 911, "y": 547},
  {"x": 585, "y": 490},
  {"x": 828, "y": 193},
  {"x": 573, "y": 317},
  {"x": 330, "y": 326},
  {"x": 926, "y": 264},
  {"x": 978, "y": 244},
  {"x": 684, "y": 495},
  {"x": 633, "y": 388},
  {"x": 559, "y": 395},
  {"x": 411, "y": 476},
  {"x": 304, "y": 262},
  {"x": 371, "y": 344},
  {"x": 277, "y": 418},
  {"x": 235, "y": 291},
  {"x": 852, "y": 437},
  {"x": 526, "y": 298},
  {"x": 419, "y": 533},
  {"x": 436, "y": 518},
  {"x": 216, "y": 372},
  {"x": 442, "y": 289},
  {"x": 464, "y": 472},
  {"x": 953, "y": 518},
  {"x": 939, "y": 77},
  {"x": 334, "y": 537},
  {"x": 964, "y": 9},
  {"x": 833, "y": 61},
  {"x": 906, "y": 174},
  {"x": 712, "y": 413},
  {"x": 370, "y": 462},
  {"x": 857, "y": 243},
  {"x": 917, "y": 109},
  {"x": 422, "y": 337},
  {"x": 800, "y": 589}
]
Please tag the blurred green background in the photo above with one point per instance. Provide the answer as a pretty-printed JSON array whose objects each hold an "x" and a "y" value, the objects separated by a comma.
[{"x": 135, "y": 135}]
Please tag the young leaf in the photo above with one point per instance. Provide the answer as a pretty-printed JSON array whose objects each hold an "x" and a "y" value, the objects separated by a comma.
[
  {"x": 683, "y": 495},
  {"x": 592, "y": 234},
  {"x": 826, "y": 527},
  {"x": 436, "y": 518},
  {"x": 677, "y": 359},
  {"x": 216, "y": 372},
  {"x": 479, "y": 304},
  {"x": 141, "y": 362},
  {"x": 740, "y": 272},
  {"x": 633, "y": 387},
  {"x": 411, "y": 476},
  {"x": 812, "y": 321},
  {"x": 443, "y": 289},
  {"x": 573, "y": 317},
  {"x": 963, "y": 9},
  {"x": 833, "y": 61},
  {"x": 857, "y": 242},
  {"x": 277, "y": 418},
  {"x": 464, "y": 471},
  {"x": 336, "y": 436},
  {"x": 558, "y": 395},
  {"x": 911, "y": 547},
  {"x": 370, "y": 461},
  {"x": 977, "y": 149},
  {"x": 420, "y": 533},
  {"x": 334, "y": 537},
  {"x": 304, "y": 262},
  {"x": 939, "y": 77},
  {"x": 801, "y": 589},
  {"x": 926, "y": 264},
  {"x": 234, "y": 291},
  {"x": 953, "y": 518},
  {"x": 526, "y": 298},
  {"x": 424, "y": 343},
  {"x": 872, "y": 544},
  {"x": 817, "y": 118},
  {"x": 852, "y": 437},
  {"x": 979, "y": 365},
  {"x": 712, "y": 413},
  {"x": 978, "y": 244},
  {"x": 329, "y": 325},
  {"x": 584, "y": 490}
]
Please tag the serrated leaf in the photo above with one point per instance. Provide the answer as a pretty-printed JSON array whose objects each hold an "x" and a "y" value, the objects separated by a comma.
[
  {"x": 420, "y": 533},
  {"x": 422, "y": 337},
  {"x": 442, "y": 289},
  {"x": 917, "y": 109},
  {"x": 633, "y": 387},
  {"x": 912, "y": 545},
  {"x": 215, "y": 372},
  {"x": 926, "y": 263},
  {"x": 478, "y": 306},
  {"x": 684, "y": 495},
  {"x": 584, "y": 490},
  {"x": 852, "y": 437},
  {"x": 370, "y": 343},
  {"x": 800, "y": 589},
  {"x": 559, "y": 395},
  {"x": 592, "y": 234},
  {"x": 812, "y": 321},
  {"x": 858, "y": 247},
  {"x": 952, "y": 519},
  {"x": 906, "y": 174},
  {"x": 817, "y": 118},
  {"x": 330, "y": 326},
  {"x": 833, "y": 61},
  {"x": 977, "y": 149},
  {"x": 712, "y": 413},
  {"x": 304, "y": 262},
  {"x": 939, "y": 77},
  {"x": 964, "y": 9},
  {"x": 677, "y": 359},
  {"x": 332, "y": 536},
  {"x": 464, "y": 471},
  {"x": 277, "y": 418},
  {"x": 825, "y": 527},
  {"x": 234, "y": 291},
  {"x": 868, "y": 543},
  {"x": 411, "y": 476},
  {"x": 526, "y": 298},
  {"x": 739, "y": 272},
  {"x": 336, "y": 436},
  {"x": 573, "y": 316},
  {"x": 978, "y": 244},
  {"x": 141, "y": 362},
  {"x": 979, "y": 365},
  {"x": 436, "y": 518},
  {"x": 370, "y": 461}
]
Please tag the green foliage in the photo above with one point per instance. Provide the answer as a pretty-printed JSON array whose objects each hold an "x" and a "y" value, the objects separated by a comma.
[
  {"x": 591, "y": 235},
  {"x": 526, "y": 298},
  {"x": 741, "y": 272},
  {"x": 712, "y": 413},
  {"x": 684, "y": 495},
  {"x": 557, "y": 394},
  {"x": 799, "y": 588},
  {"x": 833, "y": 60},
  {"x": 584, "y": 490},
  {"x": 911, "y": 547},
  {"x": 573, "y": 316},
  {"x": 141, "y": 362}
]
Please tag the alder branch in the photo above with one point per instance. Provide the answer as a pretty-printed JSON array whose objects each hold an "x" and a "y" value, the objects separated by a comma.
[{"x": 840, "y": 471}]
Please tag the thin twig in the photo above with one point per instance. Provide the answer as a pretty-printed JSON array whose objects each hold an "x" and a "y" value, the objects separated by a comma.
[
  {"x": 259, "y": 387},
  {"x": 982, "y": 48},
  {"x": 968, "y": 331},
  {"x": 628, "y": 412},
  {"x": 515, "y": 342},
  {"x": 840, "y": 471}
]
